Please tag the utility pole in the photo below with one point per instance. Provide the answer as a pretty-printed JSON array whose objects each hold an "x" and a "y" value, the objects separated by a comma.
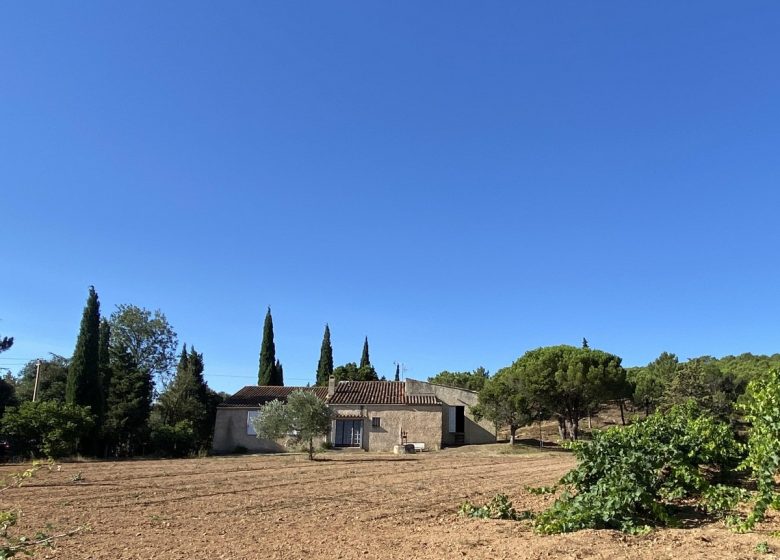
[{"x": 37, "y": 375}]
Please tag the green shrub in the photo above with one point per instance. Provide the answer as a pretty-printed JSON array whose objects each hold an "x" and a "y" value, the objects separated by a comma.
[
  {"x": 179, "y": 440},
  {"x": 46, "y": 429},
  {"x": 631, "y": 478},
  {"x": 499, "y": 507}
]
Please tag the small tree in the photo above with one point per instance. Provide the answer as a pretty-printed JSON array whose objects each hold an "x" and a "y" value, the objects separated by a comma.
[
  {"x": 504, "y": 402},
  {"x": 302, "y": 418}
]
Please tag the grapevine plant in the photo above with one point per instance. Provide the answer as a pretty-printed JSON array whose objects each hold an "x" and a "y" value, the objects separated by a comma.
[
  {"x": 762, "y": 411},
  {"x": 633, "y": 478}
]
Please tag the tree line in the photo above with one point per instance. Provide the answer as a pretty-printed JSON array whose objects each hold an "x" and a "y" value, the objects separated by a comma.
[
  {"x": 125, "y": 391},
  {"x": 567, "y": 383}
]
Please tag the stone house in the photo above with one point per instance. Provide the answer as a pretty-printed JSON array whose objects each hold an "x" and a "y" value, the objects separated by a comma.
[
  {"x": 369, "y": 415},
  {"x": 233, "y": 429}
]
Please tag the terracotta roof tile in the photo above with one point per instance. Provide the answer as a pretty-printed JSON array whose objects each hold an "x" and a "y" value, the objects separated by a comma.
[
  {"x": 377, "y": 392},
  {"x": 254, "y": 395}
]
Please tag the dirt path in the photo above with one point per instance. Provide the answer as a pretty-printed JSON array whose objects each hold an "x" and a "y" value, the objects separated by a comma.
[{"x": 347, "y": 506}]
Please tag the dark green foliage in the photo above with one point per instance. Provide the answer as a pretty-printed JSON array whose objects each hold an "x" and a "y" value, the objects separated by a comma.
[
  {"x": 104, "y": 357},
  {"x": 634, "y": 477},
  {"x": 189, "y": 399},
  {"x": 505, "y": 400},
  {"x": 398, "y": 372},
  {"x": 471, "y": 380},
  {"x": 650, "y": 382},
  {"x": 7, "y": 393},
  {"x": 747, "y": 367},
  {"x": 83, "y": 386},
  {"x": 351, "y": 372},
  {"x": 499, "y": 507},
  {"x": 585, "y": 342},
  {"x": 128, "y": 404},
  {"x": 568, "y": 382},
  {"x": 46, "y": 428},
  {"x": 364, "y": 359},
  {"x": 325, "y": 365},
  {"x": 149, "y": 338},
  {"x": 6, "y": 343},
  {"x": 178, "y": 440},
  {"x": 269, "y": 372},
  {"x": 51, "y": 383},
  {"x": 702, "y": 381}
]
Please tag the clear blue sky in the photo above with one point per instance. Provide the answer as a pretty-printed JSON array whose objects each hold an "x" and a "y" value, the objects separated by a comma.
[{"x": 460, "y": 181}]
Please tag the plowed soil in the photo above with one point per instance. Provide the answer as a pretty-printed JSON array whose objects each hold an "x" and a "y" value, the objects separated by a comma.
[{"x": 346, "y": 505}]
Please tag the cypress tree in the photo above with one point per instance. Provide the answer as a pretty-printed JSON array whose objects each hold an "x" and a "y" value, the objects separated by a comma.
[
  {"x": 266, "y": 373},
  {"x": 325, "y": 365},
  {"x": 364, "y": 361},
  {"x": 128, "y": 403},
  {"x": 398, "y": 372},
  {"x": 278, "y": 374},
  {"x": 104, "y": 358},
  {"x": 83, "y": 386}
]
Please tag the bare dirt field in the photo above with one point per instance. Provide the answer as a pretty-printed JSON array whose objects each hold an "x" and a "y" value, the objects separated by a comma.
[{"x": 347, "y": 505}]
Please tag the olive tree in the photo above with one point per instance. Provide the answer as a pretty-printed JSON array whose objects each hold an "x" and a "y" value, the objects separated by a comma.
[{"x": 301, "y": 419}]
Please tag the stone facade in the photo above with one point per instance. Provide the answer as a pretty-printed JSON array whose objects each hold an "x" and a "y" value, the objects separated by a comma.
[
  {"x": 422, "y": 424},
  {"x": 230, "y": 433},
  {"x": 474, "y": 432},
  {"x": 372, "y": 415}
]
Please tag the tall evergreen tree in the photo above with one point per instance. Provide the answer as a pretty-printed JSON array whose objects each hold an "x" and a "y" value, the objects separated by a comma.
[
  {"x": 364, "y": 361},
  {"x": 325, "y": 365},
  {"x": 83, "y": 385},
  {"x": 104, "y": 359},
  {"x": 278, "y": 374},
  {"x": 267, "y": 374},
  {"x": 188, "y": 398},
  {"x": 398, "y": 372},
  {"x": 128, "y": 403}
]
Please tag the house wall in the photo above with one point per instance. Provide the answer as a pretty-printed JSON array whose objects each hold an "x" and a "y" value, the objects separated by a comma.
[
  {"x": 230, "y": 432},
  {"x": 422, "y": 424},
  {"x": 475, "y": 432}
]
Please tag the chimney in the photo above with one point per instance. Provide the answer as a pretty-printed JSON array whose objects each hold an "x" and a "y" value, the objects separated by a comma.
[{"x": 331, "y": 386}]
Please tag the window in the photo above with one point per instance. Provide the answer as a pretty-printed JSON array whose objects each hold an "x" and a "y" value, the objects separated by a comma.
[
  {"x": 375, "y": 422},
  {"x": 251, "y": 415}
]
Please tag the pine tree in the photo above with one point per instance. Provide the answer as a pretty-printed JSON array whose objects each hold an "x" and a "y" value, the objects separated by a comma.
[
  {"x": 266, "y": 374},
  {"x": 325, "y": 365},
  {"x": 585, "y": 342},
  {"x": 364, "y": 361},
  {"x": 398, "y": 372},
  {"x": 128, "y": 403},
  {"x": 6, "y": 343},
  {"x": 83, "y": 386}
]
